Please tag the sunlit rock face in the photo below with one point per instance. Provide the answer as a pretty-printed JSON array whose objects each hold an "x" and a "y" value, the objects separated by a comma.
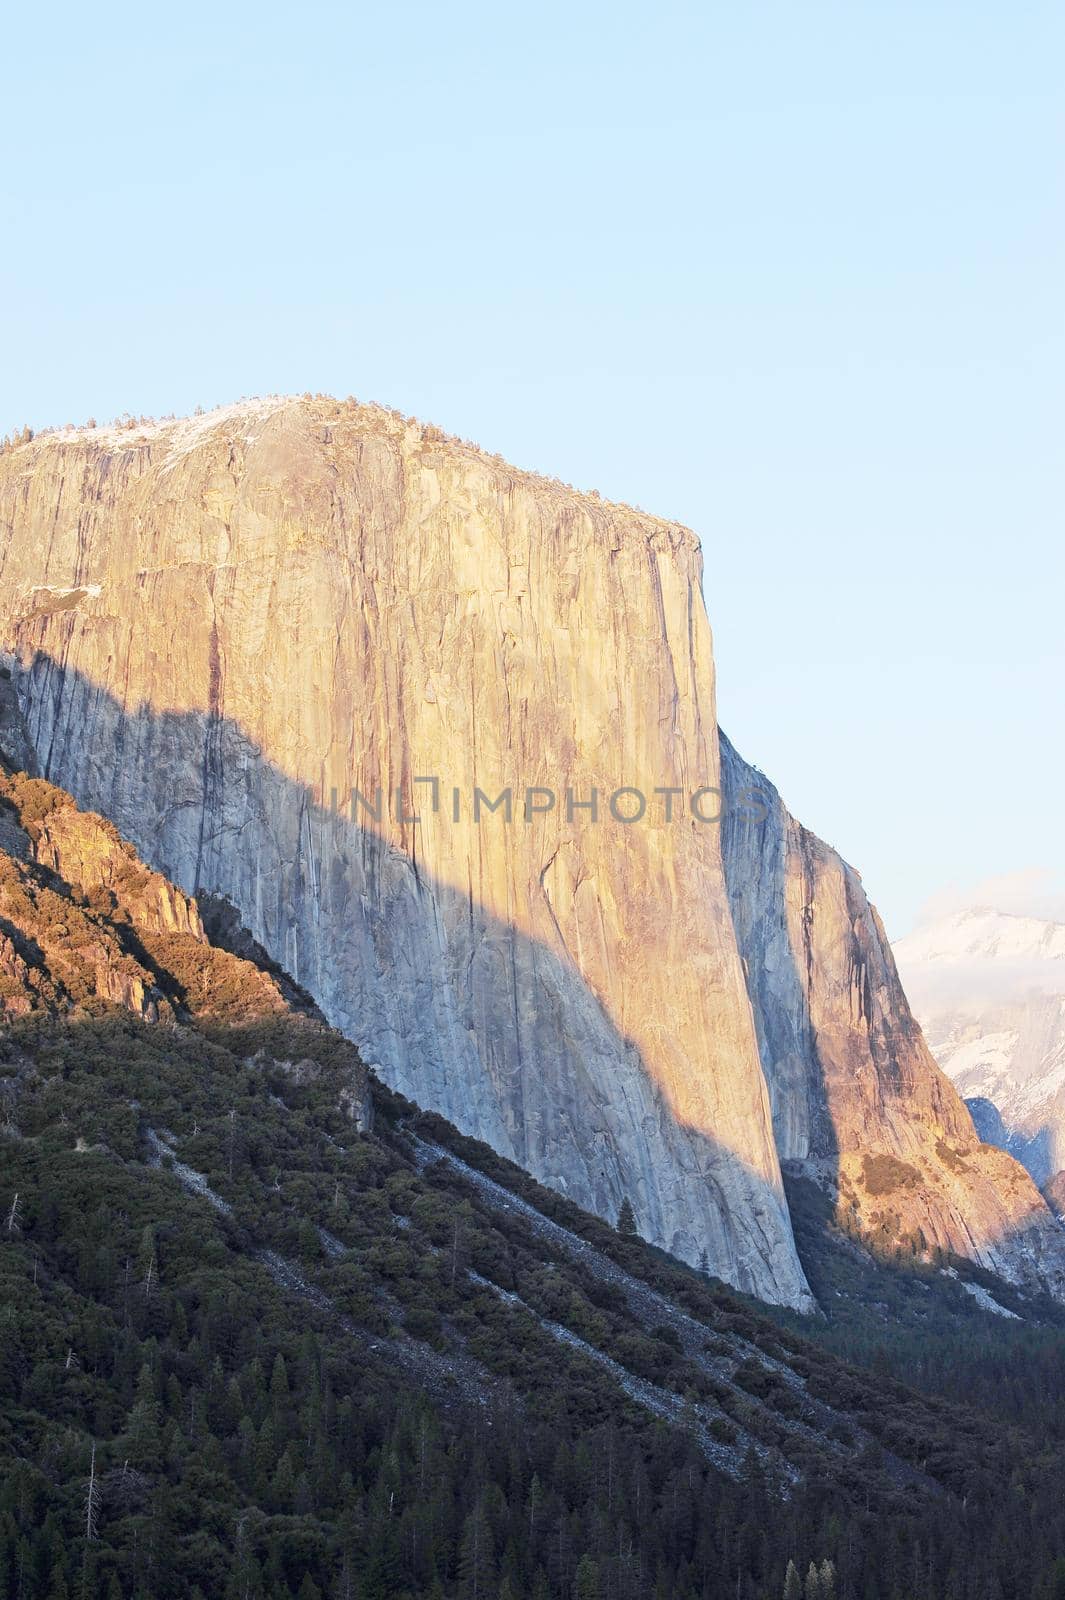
[
  {"x": 857, "y": 1098},
  {"x": 215, "y": 624}
]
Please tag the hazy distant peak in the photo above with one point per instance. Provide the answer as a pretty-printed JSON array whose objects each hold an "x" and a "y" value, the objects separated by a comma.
[{"x": 983, "y": 932}]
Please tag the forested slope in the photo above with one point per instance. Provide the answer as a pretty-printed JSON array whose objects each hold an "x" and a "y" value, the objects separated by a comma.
[{"x": 269, "y": 1330}]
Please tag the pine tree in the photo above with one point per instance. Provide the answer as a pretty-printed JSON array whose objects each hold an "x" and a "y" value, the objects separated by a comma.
[
  {"x": 379, "y": 1578},
  {"x": 279, "y": 1382},
  {"x": 283, "y": 1484},
  {"x": 59, "y": 1589},
  {"x": 477, "y": 1557},
  {"x": 302, "y": 1497},
  {"x": 812, "y": 1589},
  {"x": 245, "y": 1582},
  {"x": 586, "y": 1583},
  {"x": 792, "y": 1583},
  {"x": 144, "y": 1423},
  {"x": 626, "y": 1218}
]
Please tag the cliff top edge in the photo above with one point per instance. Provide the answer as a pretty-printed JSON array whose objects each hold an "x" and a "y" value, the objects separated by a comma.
[{"x": 179, "y": 436}]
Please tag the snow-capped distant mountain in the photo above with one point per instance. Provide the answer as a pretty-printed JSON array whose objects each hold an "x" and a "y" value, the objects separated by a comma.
[
  {"x": 988, "y": 988},
  {"x": 980, "y": 933}
]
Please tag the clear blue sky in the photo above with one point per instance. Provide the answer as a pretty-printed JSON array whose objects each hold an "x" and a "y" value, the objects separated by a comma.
[{"x": 790, "y": 273}]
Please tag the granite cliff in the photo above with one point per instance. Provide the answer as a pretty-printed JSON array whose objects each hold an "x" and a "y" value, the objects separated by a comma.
[
  {"x": 244, "y": 637},
  {"x": 858, "y": 1100}
]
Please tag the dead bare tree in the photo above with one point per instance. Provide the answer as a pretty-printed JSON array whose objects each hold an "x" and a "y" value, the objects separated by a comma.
[{"x": 92, "y": 1500}]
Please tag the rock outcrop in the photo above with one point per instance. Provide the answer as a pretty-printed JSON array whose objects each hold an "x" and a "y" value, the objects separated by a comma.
[
  {"x": 246, "y": 637},
  {"x": 86, "y": 929},
  {"x": 858, "y": 1100},
  {"x": 61, "y": 950}
]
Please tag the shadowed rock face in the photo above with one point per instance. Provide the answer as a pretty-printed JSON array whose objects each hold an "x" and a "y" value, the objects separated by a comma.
[
  {"x": 857, "y": 1097},
  {"x": 215, "y": 624}
]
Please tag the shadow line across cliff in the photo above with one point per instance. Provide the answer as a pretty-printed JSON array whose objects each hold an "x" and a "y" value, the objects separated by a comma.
[
  {"x": 412, "y": 969},
  {"x": 456, "y": 1008}
]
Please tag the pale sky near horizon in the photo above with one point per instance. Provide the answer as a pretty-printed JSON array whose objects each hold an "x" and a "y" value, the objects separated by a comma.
[{"x": 790, "y": 274}]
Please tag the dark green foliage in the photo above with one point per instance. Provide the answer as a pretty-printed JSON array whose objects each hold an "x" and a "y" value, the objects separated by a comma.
[
  {"x": 256, "y": 1440},
  {"x": 920, "y": 1326},
  {"x": 248, "y": 1445}
]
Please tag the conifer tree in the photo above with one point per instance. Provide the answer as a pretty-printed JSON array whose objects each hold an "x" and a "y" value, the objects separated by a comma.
[
  {"x": 279, "y": 1382},
  {"x": 586, "y": 1582},
  {"x": 144, "y": 1423},
  {"x": 477, "y": 1557},
  {"x": 283, "y": 1483},
  {"x": 58, "y": 1589},
  {"x": 626, "y": 1218}
]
